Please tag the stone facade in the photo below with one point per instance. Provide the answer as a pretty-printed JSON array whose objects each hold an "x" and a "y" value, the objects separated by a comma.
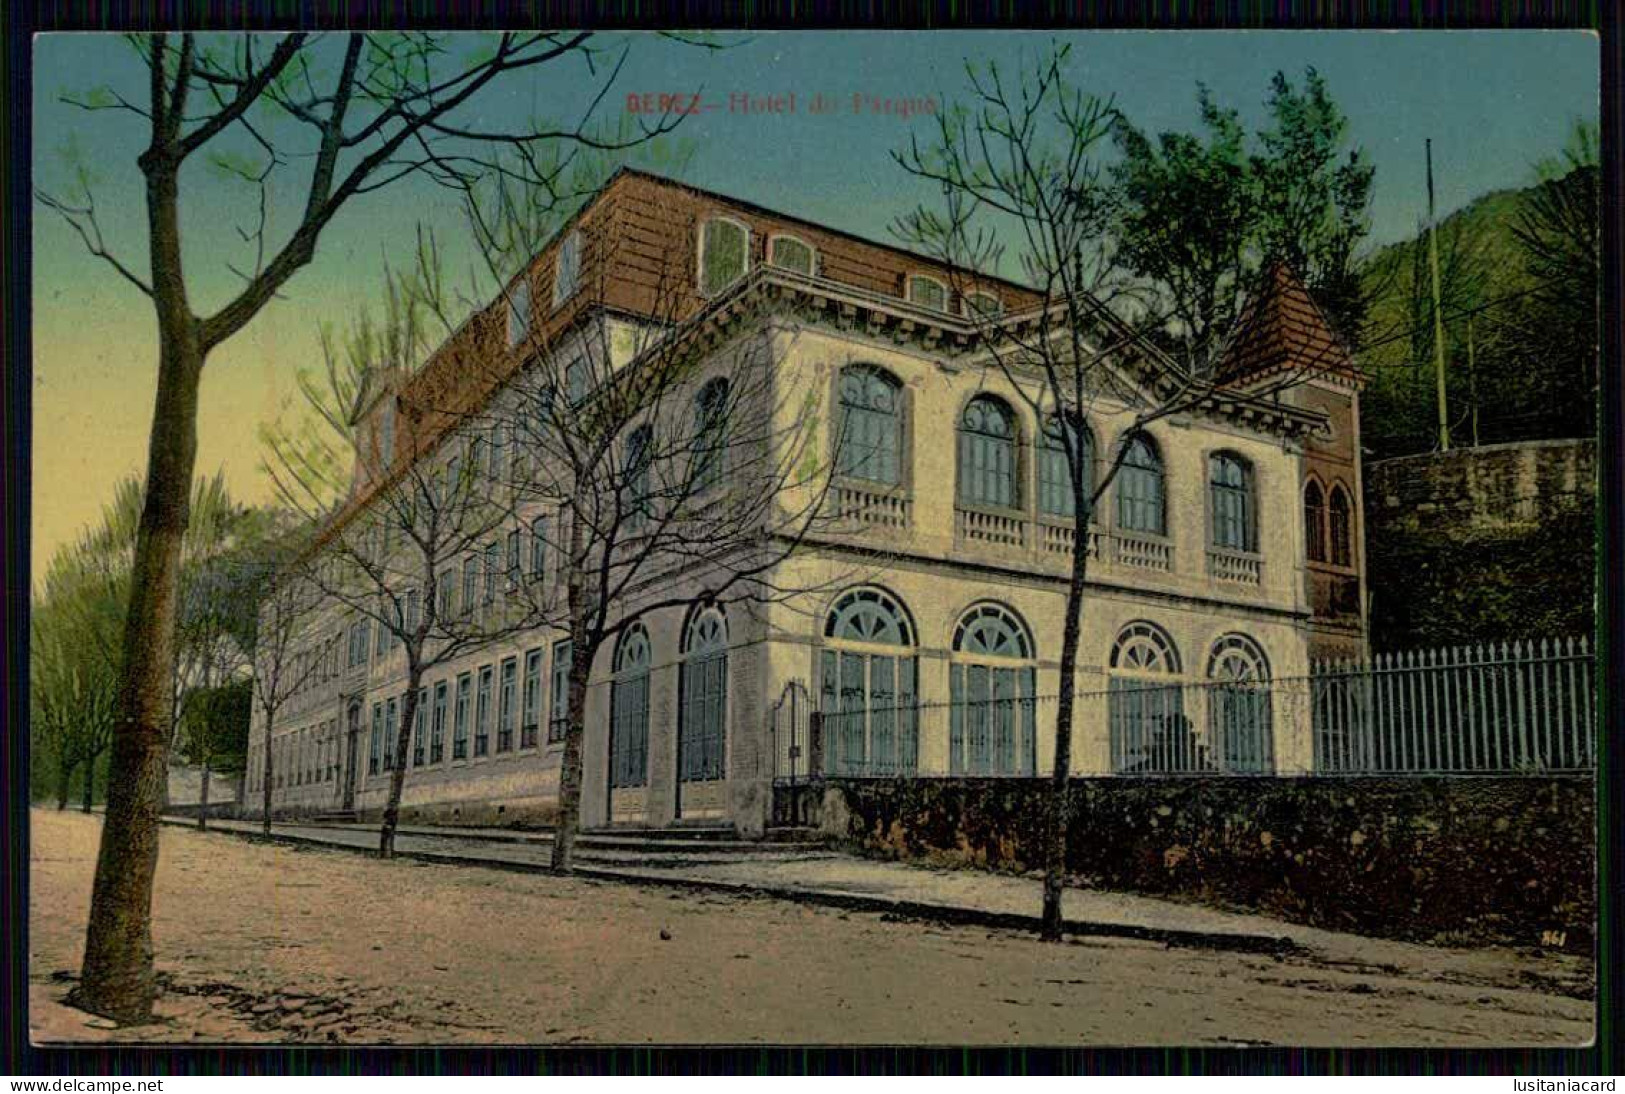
[{"x": 934, "y": 559}]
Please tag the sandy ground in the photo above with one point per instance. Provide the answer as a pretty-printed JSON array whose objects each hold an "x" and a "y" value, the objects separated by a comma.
[{"x": 279, "y": 944}]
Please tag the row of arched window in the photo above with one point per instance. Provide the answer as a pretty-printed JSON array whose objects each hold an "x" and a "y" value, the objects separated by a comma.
[
  {"x": 870, "y": 447},
  {"x": 1327, "y": 523}
]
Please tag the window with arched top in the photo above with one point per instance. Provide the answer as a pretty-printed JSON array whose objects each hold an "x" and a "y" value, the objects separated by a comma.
[
  {"x": 867, "y": 683},
  {"x": 870, "y": 427},
  {"x": 1232, "y": 502},
  {"x": 992, "y": 681},
  {"x": 703, "y": 704},
  {"x": 1240, "y": 732},
  {"x": 710, "y": 434},
  {"x": 629, "y": 710},
  {"x": 567, "y": 269},
  {"x": 1341, "y": 513},
  {"x": 1140, "y": 489},
  {"x": 790, "y": 253},
  {"x": 927, "y": 292},
  {"x": 1314, "y": 521},
  {"x": 983, "y": 304},
  {"x": 637, "y": 458},
  {"x": 519, "y": 311},
  {"x": 987, "y": 454},
  {"x": 1060, "y": 444},
  {"x": 1147, "y": 726},
  {"x": 724, "y": 254}
]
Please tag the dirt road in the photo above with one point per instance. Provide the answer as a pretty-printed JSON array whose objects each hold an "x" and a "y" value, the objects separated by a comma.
[{"x": 278, "y": 944}]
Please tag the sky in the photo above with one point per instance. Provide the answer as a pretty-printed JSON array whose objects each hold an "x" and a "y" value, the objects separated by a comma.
[{"x": 1493, "y": 103}]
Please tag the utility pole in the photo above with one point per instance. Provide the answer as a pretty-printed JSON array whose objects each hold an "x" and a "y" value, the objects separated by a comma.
[
  {"x": 1472, "y": 377},
  {"x": 1438, "y": 309}
]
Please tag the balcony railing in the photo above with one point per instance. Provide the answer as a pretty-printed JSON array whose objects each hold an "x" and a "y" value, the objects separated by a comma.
[
  {"x": 1060, "y": 539},
  {"x": 1142, "y": 552},
  {"x": 1238, "y": 567},
  {"x": 871, "y": 508},
  {"x": 980, "y": 526}
]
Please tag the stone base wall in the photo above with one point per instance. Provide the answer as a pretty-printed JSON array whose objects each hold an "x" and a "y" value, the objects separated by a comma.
[{"x": 1498, "y": 859}]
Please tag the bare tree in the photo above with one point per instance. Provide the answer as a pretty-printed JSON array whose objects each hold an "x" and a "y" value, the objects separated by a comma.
[
  {"x": 286, "y": 656},
  {"x": 356, "y": 113},
  {"x": 1025, "y": 162}
]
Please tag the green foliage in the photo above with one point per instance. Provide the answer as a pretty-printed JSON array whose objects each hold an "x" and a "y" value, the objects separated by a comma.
[
  {"x": 214, "y": 729},
  {"x": 1526, "y": 264},
  {"x": 1202, "y": 215}
]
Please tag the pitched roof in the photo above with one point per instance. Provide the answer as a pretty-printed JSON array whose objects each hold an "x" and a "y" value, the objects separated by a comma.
[{"x": 1280, "y": 329}]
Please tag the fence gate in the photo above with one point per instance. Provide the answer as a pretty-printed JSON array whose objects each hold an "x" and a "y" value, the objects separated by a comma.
[{"x": 790, "y": 726}]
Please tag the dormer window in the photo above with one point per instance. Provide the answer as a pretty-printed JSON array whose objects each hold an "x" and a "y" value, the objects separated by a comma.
[
  {"x": 927, "y": 292},
  {"x": 984, "y": 305},
  {"x": 790, "y": 253},
  {"x": 724, "y": 254},
  {"x": 518, "y": 312},
  {"x": 567, "y": 269}
]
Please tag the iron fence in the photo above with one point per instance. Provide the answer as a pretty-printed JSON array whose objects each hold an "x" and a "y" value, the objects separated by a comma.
[{"x": 1507, "y": 708}]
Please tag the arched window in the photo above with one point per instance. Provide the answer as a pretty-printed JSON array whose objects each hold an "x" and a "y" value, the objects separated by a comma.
[
  {"x": 992, "y": 686},
  {"x": 1314, "y": 521},
  {"x": 790, "y": 253},
  {"x": 1140, "y": 505},
  {"x": 1342, "y": 553},
  {"x": 987, "y": 454},
  {"x": 519, "y": 311},
  {"x": 710, "y": 434},
  {"x": 868, "y": 675},
  {"x": 1240, "y": 732},
  {"x": 983, "y": 304},
  {"x": 724, "y": 254},
  {"x": 927, "y": 292},
  {"x": 1054, "y": 467},
  {"x": 629, "y": 711},
  {"x": 871, "y": 425},
  {"x": 1150, "y": 734},
  {"x": 1232, "y": 501},
  {"x": 703, "y": 709},
  {"x": 637, "y": 457}
]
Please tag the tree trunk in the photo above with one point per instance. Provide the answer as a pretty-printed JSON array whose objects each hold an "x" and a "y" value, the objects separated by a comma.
[
  {"x": 265, "y": 782},
  {"x": 117, "y": 978},
  {"x": 64, "y": 781},
  {"x": 1057, "y": 815},
  {"x": 569, "y": 822},
  {"x": 203, "y": 803},
  {"x": 397, "y": 781}
]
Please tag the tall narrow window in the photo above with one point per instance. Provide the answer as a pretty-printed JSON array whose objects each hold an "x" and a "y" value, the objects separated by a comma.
[
  {"x": 1342, "y": 553},
  {"x": 420, "y": 718},
  {"x": 445, "y": 595},
  {"x": 710, "y": 434},
  {"x": 392, "y": 724},
  {"x": 1140, "y": 489},
  {"x": 1231, "y": 502},
  {"x": 567, "y": 269},
  {"x": 1055, "y": 451},
  {"x": 1314, "y": 522},
  {"x": 576, "y": 378},
  {"x": 507, "y": 704},
  {"x": 987, "y": 454},
  {"x": 558, "y": 722},
  {"x": 459, "y": 736},
  {"x": 1240, "y": 729},
  {"x": 868, "y": 683},
  {"x": 702, "y": 715},
  {"x": 538, "y": 548},
  {"x": 724, "y": 254},
  {"x": 482, "y": 713},
  {"x": 519, "y": 311},
  {"x": 437, "y": 725},
  {"x": 629, "y": 711},
  {"x": 992, "y": 682},
  {"x": 637, "y": 459},
  {"x": 511, "y": 560},
  {"x": 471, "y": 582},
  {"x": 789, "y": 253},
  {"x": 493, "y": 566},
  {"x": 529, "y": 724},
  {"x": 927, "y": 292},
  {"x": 870, "y": 425}
]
